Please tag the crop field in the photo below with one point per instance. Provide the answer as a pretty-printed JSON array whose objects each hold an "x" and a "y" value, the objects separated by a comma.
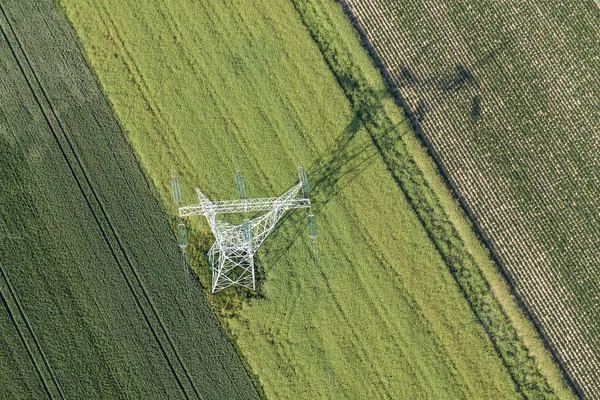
[
  {"x": 94, "y": 299},
  {"x": 201, "y": 86},
  {"x": 506, "y": 96}
]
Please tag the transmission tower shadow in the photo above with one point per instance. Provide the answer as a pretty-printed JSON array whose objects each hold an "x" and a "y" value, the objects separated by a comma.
[
  {"x": 340, "y": 164},
  {"x": 443, "y": 87}
]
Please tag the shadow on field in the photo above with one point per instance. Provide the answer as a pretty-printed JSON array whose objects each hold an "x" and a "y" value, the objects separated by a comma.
[
  {"x": 343, "y": 161},
  {"x": 442, "y": 85}
]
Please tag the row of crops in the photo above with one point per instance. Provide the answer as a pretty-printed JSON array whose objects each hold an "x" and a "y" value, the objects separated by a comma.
[
  {"x": 505, "y": 94},
  {"x": 94, "y": 299}
]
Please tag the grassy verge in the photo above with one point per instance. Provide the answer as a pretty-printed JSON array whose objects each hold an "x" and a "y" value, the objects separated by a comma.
[{"x": 490, "y": 301}]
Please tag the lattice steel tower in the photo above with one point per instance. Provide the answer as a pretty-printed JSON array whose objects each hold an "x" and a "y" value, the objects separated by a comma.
[{"x": 232, "y": 254}]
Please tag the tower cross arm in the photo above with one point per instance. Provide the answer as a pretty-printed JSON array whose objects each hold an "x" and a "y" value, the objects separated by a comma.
[
  {"x": 206, "y": 207},
  {"x": 242, "y": 206}
]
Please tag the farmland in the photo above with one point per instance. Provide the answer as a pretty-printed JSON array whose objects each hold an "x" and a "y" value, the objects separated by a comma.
[
  {"x": 380, "y": 313},
  {"x": 505, "y": 96},
  {"x": 91, "y": 299}
]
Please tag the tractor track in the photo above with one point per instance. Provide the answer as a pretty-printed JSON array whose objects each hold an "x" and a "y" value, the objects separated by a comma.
[{"x": 21, "y": 335}]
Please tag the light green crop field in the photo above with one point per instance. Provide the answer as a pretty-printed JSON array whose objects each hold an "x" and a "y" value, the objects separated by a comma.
[{"x": 379, "y": 315}]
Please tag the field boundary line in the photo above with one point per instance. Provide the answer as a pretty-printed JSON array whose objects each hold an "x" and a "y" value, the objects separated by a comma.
[
  {"x": 129, "y": 63},
  {"x": 415, "y": 125},
  {"x": 362, "y": 92},
  {"x": 97, "y": 218}
]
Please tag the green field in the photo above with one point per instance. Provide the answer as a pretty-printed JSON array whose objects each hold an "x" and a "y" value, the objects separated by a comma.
[
  {"x": 94, "y": 299},
  {"x": 506, "y": 96},
  {"x": 380, "y": 315}
]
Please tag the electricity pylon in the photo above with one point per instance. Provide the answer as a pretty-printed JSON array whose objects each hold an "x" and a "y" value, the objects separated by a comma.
[{"x": 232, "y": 254}]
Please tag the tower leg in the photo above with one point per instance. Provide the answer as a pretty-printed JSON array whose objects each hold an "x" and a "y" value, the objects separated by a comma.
[{"x": 232, "y": 268}]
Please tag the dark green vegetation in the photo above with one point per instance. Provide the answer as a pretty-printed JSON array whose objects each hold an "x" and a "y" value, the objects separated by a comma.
[
  {"x": 506, "y": 95},
  {"x": 380, "y": 314},
  {"x": 94, "y": 299}
]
